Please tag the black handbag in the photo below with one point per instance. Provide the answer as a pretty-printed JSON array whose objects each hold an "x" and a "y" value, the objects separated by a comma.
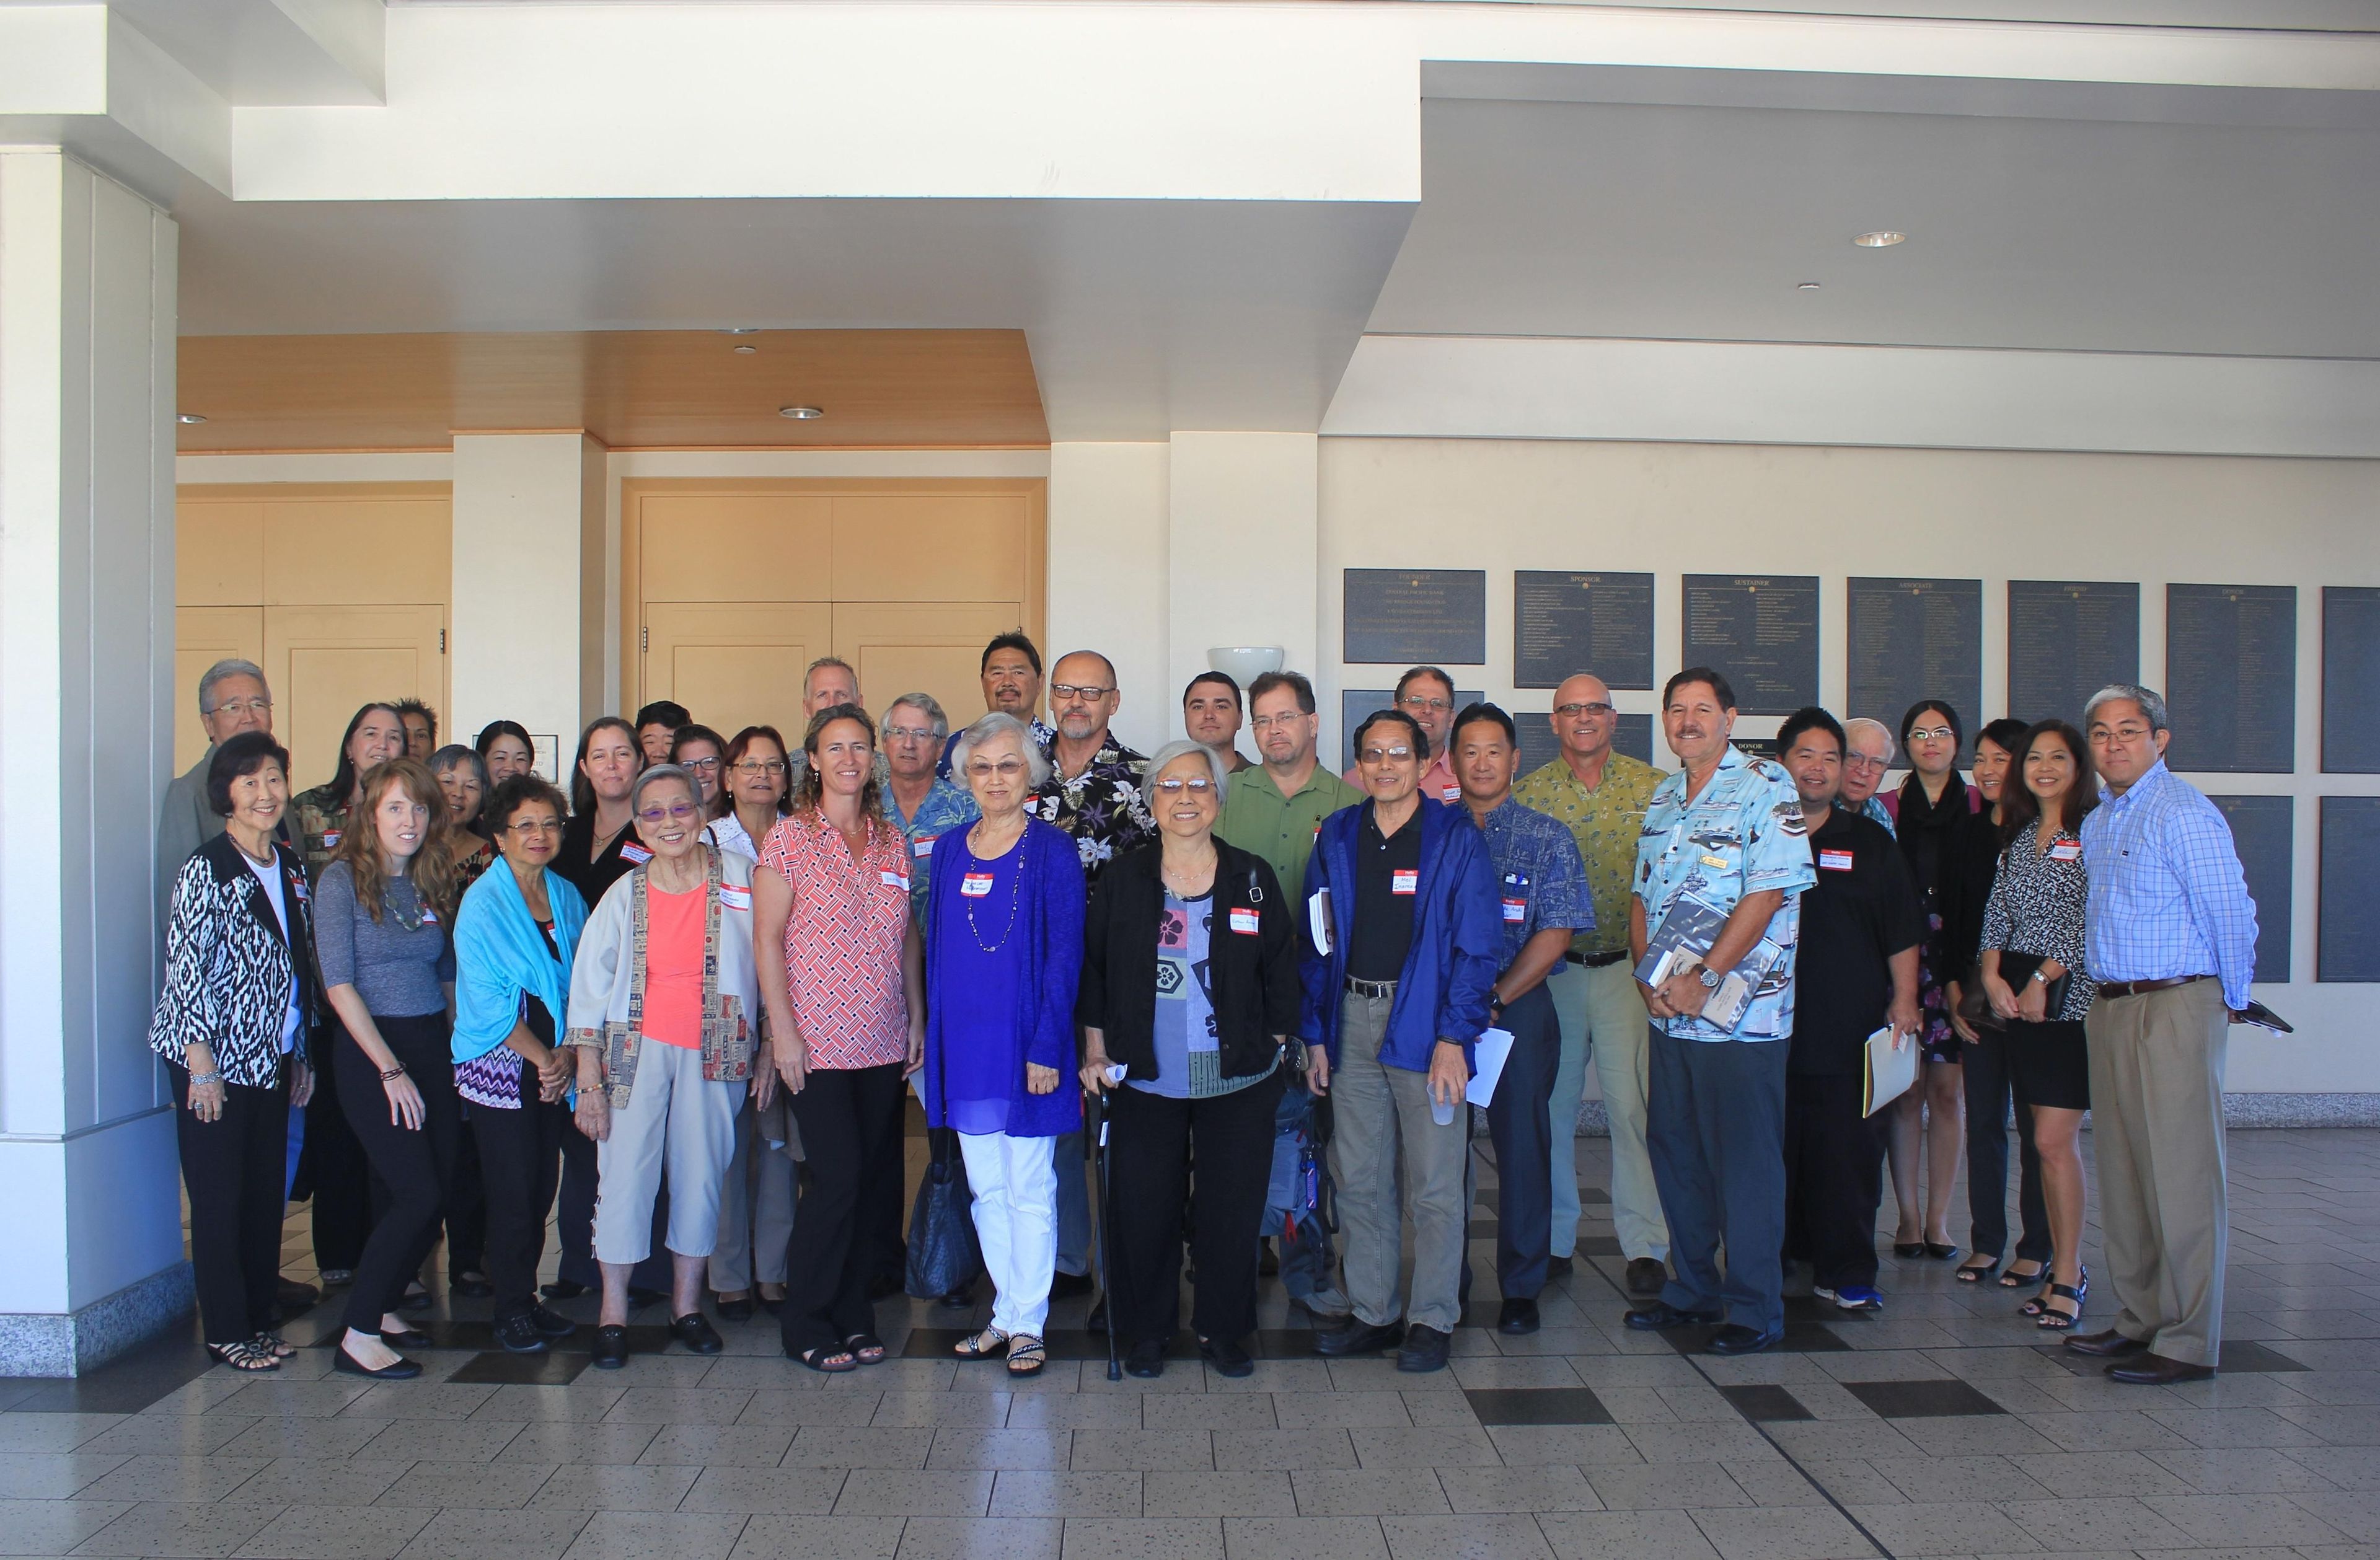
[
  {"x": 2016, "y": 969},
  {"x": 943, "y": 1256}
]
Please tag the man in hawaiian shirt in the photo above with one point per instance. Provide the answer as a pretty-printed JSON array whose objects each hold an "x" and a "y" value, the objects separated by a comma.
[{"x": 1011, "y": 672}]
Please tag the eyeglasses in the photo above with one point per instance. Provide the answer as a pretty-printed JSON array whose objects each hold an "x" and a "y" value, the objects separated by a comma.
[
  {"x": 658, "y": 815},
  {"x": 1007, "y": 769},
  {"x": 1862, "y": 761},
  {"x": 242, "y": 707},
  {"x": 753, "y": 768},
  {"x": 706, "y": 765},
  {"x": 1932, "y": 733},
  {"x": 2128, "y": 732},
  {"x": 1087, "y": 692},
  {"x": 528, "y": 826},
  {"x": 1196, "y": 784},
  {"x": 1573, "y": 711},
  {"x": 1423, "y": 702},
  {"x": 1385, "y": 755},
  {"x": 909, "y": 733},
  {"x": 1265, "y": 723}
]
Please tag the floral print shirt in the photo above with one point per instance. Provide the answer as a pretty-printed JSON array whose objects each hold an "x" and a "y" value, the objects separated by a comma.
[{"x": 1100, "y": 807}]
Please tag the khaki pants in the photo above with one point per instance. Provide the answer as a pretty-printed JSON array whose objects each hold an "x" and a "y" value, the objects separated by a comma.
[
  {"x": 2157, "y": 1118},
  {"x": 1603, "y": 1020},
  {"x": 677, "y": 1118},
  {"x": 1381, "y": 1116}
]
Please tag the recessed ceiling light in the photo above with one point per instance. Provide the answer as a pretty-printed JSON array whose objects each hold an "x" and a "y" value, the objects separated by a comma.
[
  {"x": 189, "y": 417},
  {"x": 746, "y": 346},
  {"x": 741, "y": 330},
  {"x": 1806, "y": 286},
  {"x": 801, "y": 414},
  {"x": 1882, "y": 238}
]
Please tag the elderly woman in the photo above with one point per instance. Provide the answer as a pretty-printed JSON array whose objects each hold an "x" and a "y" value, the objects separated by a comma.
[
  {"x": 240, "y": 997},
  {"x": 382, "y": 910},
  {"x": 661, "y": 1004},
  {"x": 1190, "y": 988},
  {"x": 842, "y": 972},
  {"x": 514, "y": 939},
  {"x": 1005, "y": 949}
]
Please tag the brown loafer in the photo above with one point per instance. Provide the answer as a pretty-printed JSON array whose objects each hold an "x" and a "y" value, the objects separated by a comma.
[
  {"x": 2109, "y": 1345},
  {"x": 2156, "y": 1370}
]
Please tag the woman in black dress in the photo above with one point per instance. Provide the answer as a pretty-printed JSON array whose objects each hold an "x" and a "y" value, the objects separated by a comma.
[{"x": 1928, "y": 810}]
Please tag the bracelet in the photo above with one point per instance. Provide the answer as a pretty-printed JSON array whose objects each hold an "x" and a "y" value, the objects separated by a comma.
[
  {"x": 198, "y": 1080},
  {"x": 390, "y": 1075}
]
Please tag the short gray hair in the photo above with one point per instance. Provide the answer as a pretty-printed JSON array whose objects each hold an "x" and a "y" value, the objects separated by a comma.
[
  {"x": 925, "y": 704},
  {"x": 998, "y": 725},
  {"x": 1858, "y": 723},
  {"x": 224, "y": 670},
  {"x": 2150, "y": 704},
  {"x": 1181, "y": 750},
  {"x": 459, "y": 755},
  {"x": 655, "y": 775}
]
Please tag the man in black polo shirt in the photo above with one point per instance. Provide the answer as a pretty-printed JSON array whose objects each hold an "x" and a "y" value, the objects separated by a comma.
[{"x": 1860, "y": 927}]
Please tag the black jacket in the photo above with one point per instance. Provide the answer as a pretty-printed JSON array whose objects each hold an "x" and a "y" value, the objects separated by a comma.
[
  {"x": 228, "y": 965},
  {"x": 1254, "y": 978}
]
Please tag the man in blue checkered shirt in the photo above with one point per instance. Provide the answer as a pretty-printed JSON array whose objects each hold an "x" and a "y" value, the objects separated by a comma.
[{"x": 2171, "y": 938}]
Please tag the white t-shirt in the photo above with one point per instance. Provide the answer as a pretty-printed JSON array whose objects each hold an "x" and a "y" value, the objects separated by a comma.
[{"x": 268, "y": 874}]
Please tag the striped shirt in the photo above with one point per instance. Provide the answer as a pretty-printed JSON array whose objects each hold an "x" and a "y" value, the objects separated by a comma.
[{"x": 2168, "y": 896}]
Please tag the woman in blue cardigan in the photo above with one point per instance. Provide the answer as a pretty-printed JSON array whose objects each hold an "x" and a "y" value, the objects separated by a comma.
[{"x": 1004, "y": 951}]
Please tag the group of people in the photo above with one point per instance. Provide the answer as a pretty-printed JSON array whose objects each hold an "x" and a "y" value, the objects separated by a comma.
[{"x": 681, "y": 1010}]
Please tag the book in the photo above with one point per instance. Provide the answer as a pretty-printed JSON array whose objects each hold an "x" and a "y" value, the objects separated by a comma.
[{"x": 1684, "y": 936}]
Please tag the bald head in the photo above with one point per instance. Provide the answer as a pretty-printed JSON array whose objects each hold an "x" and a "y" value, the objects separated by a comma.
[
  {"x": 1083, "y": 696},
  {"x": 1584, "y": 720}
]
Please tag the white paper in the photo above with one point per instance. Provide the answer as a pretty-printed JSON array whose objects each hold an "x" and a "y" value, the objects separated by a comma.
[
  {"x": 1891, "y": 1070},
  {"x": 1489, "y": 1055},
  {"x": 1318, "y": 914}
]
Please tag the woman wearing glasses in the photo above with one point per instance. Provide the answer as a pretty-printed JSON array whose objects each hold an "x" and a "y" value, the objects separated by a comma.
[
  {"x": 1005, "y": 949},
  {"x": 662, "y": 1004},
  {"x": 702, "y": 753},
  {"x": 1190, "y": 987},
  {"x": 753, "y": 791}
]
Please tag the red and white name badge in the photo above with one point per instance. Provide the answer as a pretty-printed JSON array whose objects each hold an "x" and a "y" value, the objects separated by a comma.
[
  {"x": 1449, "y": 793},
  {"x": 1244, "y": 922},
  {"x": 1516, "y": 911},
  {"x": 894, "y": 880},
  {"x": 1834, "y": 861},
  {"x": 297, "y": 887},
  {"x": 975, "y": 886},
  {"x": 429, "y": 916},
  {"x": 2066, "y": 850},
  {"x": 923, "y": 846},
  {"x": 1404, "y": 879},
  {"x": 732, "y": 898},
  {"x": 634, "y": 853},
  {"x": 330, "y": 839}
]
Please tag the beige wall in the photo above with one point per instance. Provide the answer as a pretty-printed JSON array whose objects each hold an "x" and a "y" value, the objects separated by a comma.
[{"x": 1680, "y": 508}]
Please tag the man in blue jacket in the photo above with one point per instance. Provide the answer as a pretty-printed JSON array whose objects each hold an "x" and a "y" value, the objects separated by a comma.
[{"x": 1397, "y": 988}]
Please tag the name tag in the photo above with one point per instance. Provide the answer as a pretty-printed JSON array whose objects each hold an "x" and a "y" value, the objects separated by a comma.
[
  {"x": 1244, "y": 922},
  {"x": 1711, "y": 861},
  {"x": 634, "y": 853},
  {"x": 1450, "y": 794},
  {"x": 975, "y": 886},
  {"x": 923, "y": 846},
  {"x": 330, "y": 839},
  {"x": 297, "y": 887},
  {"x": 732, "y": 898},
  {"x": 1516, "y": 911},
  {"x": 1404, "y": 879},
  {"x": 894, "y": 880},
  {"x": 429, "y": 916},
  {"x": 1835, "y": 860},
  {"x": 2069, "y": 851}
]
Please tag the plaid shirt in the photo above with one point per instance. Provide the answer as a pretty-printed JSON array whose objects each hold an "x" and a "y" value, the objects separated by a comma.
[
  {"x": 2168, "y": 896},
  {"x": 1540, "y": 880}
]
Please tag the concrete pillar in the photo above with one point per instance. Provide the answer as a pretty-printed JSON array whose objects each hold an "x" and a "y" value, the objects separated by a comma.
[
  {"x": 1107, "y": 565},
  {"x": 1243, "y": 553},
  {"x": 529, "y": 595},
  {"x": 90, "y": 1222}
]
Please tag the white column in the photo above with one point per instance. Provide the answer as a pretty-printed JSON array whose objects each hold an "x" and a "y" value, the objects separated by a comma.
[
  {"x": 1245, "y": 556},
  {"x": 91, "y": 1220},
  {"x": 1108, "y": 568},
  {"x": 529, "y": 597}
]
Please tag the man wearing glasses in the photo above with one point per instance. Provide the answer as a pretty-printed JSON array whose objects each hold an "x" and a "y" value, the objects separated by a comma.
[
  {"x": 1600, "y": 795},
  {"x": 1427, "y": 695},
  {"x": 924, "y": 804},
  {"x": 1867, "y": 754},
  {"x": 232, "y": 699}
]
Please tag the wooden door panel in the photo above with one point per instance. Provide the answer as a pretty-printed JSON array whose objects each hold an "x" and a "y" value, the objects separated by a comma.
[
  {"x": 958, "y": 547},
  {"x": 218, "y": 552},
  {"x": 326, "y": 662},
  {"x": 713, "y": 547},
  {"x": 736, "y": 663},
  {"x": 910, "y": 647},
  {"x": 317, "y": 551},
  {"x": 203, "y": 635}
]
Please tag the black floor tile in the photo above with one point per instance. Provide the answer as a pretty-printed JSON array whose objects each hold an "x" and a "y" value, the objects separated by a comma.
[
  {"x": 2238, "y": 1354},
  {"x": 1767, "y": 1404},
  {"x": 1801, "y": 1338},
  {"x": 1921, "y": 1400},
  {"x": 1594, "y": 1194},
  {"x": 497, "y": 1367},
  {"x": 1600, "y": 1246},
  {"x": 1550, "y": 1404}
]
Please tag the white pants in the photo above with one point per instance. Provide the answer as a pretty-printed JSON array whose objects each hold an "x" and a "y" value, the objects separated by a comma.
[
  {"x": 1603, "y": 1020},
  {"x": 1016, "y": 1186},
  {"x": 673, "y": 1114}
]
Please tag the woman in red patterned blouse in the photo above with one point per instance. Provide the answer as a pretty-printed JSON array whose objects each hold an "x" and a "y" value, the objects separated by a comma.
[{"x": 842, "y": 972}]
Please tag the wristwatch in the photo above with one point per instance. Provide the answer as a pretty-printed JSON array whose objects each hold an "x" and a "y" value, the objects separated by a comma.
[
  {"x": 1707, "y": 976},
  {"x": 2038, "y": 978}
]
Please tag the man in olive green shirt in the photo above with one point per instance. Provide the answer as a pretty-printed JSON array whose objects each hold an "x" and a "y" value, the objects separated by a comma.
[
  {"x": 1273, "y": 811},
  {"x": 1601, "y": 797}
]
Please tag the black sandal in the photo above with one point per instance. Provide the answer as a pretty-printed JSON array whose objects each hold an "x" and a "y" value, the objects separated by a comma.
[
  {"x": 1026, "y": 1355},
  {"x": 2015, "y": 1280},
  {"x": 866, "y": 1347},
  {"x": 244, "y": 1355},
  {"x": 2055, "y": 1321},
  {"x": 1970, "y": 1273},
  {"x": 823, "y": 1361}
]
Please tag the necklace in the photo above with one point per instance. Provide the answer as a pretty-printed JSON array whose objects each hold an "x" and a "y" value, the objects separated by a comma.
[
  {"x": 1016, "y": 892},
  {"x": 412, "y": 922}
]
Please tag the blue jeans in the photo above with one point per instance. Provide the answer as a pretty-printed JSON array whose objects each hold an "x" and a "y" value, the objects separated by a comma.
[{"x": 1714, "y": 1124}]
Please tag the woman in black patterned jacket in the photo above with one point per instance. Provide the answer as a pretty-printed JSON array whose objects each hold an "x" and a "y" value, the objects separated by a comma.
[{"x": 242, "y": 991}]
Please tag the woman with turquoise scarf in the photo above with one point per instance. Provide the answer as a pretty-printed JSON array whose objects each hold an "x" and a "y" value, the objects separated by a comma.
[{"x": 514, "y": 939}]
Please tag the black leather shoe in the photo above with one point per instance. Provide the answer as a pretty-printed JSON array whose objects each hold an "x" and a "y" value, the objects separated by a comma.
[
  {"x": 472, "y": 1286},
  {"x": 2156, "y": 1370},
  {"x": 1227, "y": 1357},
  {"x": 553, "y": 1324},
  {"x": 1558, "y": 1267},
  {"x": 1517, "y": 1316},
  {"x": 1357, "y": 1337},
  {"x": 293, "y": 1297},
  {"x": 563, "y": 1290},
  {"x": 736, "y": 1310},
  {"x": 694, "y": 1330},
  {"x": 611, "y": 1349},
  {"x": 2109, "y": 1345},
  {"x": 517, "y": 1333},
  {"x": 1144, "y": 1360},
  {"x": 399, "y": 1370},
  {"x": 1424, "y": 1350},
  {"x": 1736, "y": 1338},
  {"x": 410, "y": 1338},
  {"x": 1646, "y": 1276},
  {"x": 1661, "y": 1315},
  {"x": 1069, "y": 1286}
]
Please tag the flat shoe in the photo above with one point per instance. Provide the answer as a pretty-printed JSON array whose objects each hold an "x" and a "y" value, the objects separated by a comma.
[
  {"x": 1736, "y": 1338},
  {"x": 1227, "y": 1357},
  {"x": 610, "y": 1350},
  {"x": 563, "y": 1290},
  {"x": 1941, "y": 1251},
  {"x": 825, "y": 1362},
  {"x": 1907, "y": 1249},
  {"x": 397, "y": 1369},
  {"x": 2156, "y": 1370},
  {"x": 1661, "y": 1315},
  {"x": 694, "y": 1330},
  {"x": 1026, "y": 1356},
  {"x": 1516, "y": 1317},
  {"x": 736, "y": 1310},
  {"x": 410, "y": 1338},
  {"x": 553, "y": 1324},
  {"x": 866, "y": 1347},
  {"x": 1647, "y": 1277},
  {"x": 985, "y": 1345},
  {"x": 1424, "y": 1350},
  {"x": 2109, "y": 1345},
  {"x": 1357, "y": 1337},
  {"x": 1145, "y": 1361}
]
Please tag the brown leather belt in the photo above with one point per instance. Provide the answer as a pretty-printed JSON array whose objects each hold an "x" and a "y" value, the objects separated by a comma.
[{"x": 2140, "y": 987}]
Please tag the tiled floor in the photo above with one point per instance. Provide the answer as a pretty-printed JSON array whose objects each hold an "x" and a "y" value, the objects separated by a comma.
[{"x": 1943, "y": 1427}]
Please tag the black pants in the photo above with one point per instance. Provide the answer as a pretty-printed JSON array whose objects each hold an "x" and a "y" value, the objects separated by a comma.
[
  {"x": 1988, "y": 1088},
  {"x": 332, "y": 1173},
  {"x": 415, "y": 1167},
  {"x": 1150, "y": 1140},
  {"x": 844, "y": 1114},
  {"x": 467, "y": 1205},
  {"x": 881, "y": 1203},
  {"x": 1834, "y": 1179},
  {"x": 1520, "y": 1122},
  {"x": 235, "y": 1170},
  {"x": 520, "y": 1156}
]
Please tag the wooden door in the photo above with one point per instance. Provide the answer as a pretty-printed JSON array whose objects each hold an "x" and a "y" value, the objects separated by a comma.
[
  {"x": 203, "y": 635},
  {"x": 736, "y": 663},
  {"x": 936, "y": 649},
  {"x": 326, "y": 662}
]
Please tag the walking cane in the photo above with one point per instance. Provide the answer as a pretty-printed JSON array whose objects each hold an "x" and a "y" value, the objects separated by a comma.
[{"x": 1107, "y": 1231}]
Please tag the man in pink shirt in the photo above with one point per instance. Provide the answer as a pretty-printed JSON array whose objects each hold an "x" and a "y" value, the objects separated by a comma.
[{"x": 1428, "y": 695}]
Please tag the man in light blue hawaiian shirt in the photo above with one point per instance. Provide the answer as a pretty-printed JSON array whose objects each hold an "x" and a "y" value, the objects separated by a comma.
[
  {"x": 1723, "y": 842},
  {"x": 923, "y": 803}
]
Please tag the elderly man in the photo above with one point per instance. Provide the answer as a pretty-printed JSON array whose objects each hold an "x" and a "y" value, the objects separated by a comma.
[
  {"x": 1011, "y": 672},
  {"x": 1600, "y": 795},
  {"x": 657, "y": 726},
  {"x": 923, "y": 803},
  {"x": 1542, "y": 895},
  {"x": 1398, "y": 978},
  {"x": 2171, "y": 934},
  {"x": 232, "y": 699},
  {"x": 1276, "y": 808},
  {"x": 1428, "y": 695},
  {"x": 1867, "y": 755},
  {"x": 1210, "y": 715},
  {"x": 1724, "y": 848}
]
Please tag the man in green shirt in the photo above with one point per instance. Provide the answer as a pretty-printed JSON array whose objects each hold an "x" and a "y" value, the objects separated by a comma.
[
  {"x": 1274, "y": 809},
  {"x": 1601, "y": 797}
]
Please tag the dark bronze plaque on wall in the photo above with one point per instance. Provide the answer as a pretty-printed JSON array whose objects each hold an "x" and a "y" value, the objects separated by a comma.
[
  {"x": 2261, "y": 829},
  {"x": 1761, "y": 632},
  {"x": 2350, "y": 680},
  {"x": 1564, "y": 624},
  {"x": 2231, "y": 677},
  {"x": 1913, "y": 640},
  {"x": 1405, "y": 616},
  {"x": 2348, "y": 934},
  {"x": 2068, "y": 639}
]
